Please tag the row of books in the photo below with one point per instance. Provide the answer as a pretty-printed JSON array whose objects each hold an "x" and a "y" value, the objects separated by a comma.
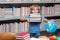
[
  {"x": 14, "y": 27},
  {"x": 23, "y": 11},
  {"x": 29, "y": 1},
  {"x": 9, "y": 12},
  {"x": 21, "y": 27},
  {"x": 55, "y": 10}
]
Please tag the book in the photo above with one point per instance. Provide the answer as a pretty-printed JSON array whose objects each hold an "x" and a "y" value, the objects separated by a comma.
[
  {"x": 16, "y": 27},
  {"x": 7, "y": 12},
  {"x": 57, "y": 9},
  {"x": 0, "y": 13},
  {"x": 24, "y": 11},
  {"x": 52, "y": 12},
  {"x": 57, "y": 0},
  {"x": 46, "y": 11},
  {"x": 19, "y": 27},
  {"x": 2, "y": 0},
  {"x": 7, "y": 27},
  {"x": 17, "y": 12},
  {"x": 26, "y": 27}
]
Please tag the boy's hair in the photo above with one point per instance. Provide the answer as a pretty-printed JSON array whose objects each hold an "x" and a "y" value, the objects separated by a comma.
[{"x": 32, "y": 8}]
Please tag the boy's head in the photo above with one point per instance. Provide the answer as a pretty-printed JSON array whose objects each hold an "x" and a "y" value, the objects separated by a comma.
[{"x": 35, "y": 9}]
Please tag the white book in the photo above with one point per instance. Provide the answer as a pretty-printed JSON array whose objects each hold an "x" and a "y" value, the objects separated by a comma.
[
  {"x": 7, "y": 12},
  {"x": 57, "y": 0},
  {"x": 24, "y": 11},
  {"x": 43, "y": 11},
  {"x": 2, "y": 0},
  {"x": 22, "y": 27},
  {"x": 12, "y": 27},
  {"x": 1, "y": 30},
  {"x": 0, "y": 13},
  {"x": 52, "y": 10},
  {"x": 28, "y": 10},
  {"x": 4, "y": 28},
  {"x": 7, "y": 27},
  {"x": 19, "y": 27},
  {"x": 26, "y": 27},
  {"x": 17, "y": 12},
  {"x": 57, "y": 9},
  {"x": 46, "y": 10},
  {"x": 16, "y": 27}
]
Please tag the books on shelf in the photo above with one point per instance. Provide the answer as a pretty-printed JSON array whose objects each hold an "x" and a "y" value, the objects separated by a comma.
[
  {"x": 7, "y": 27},
  {"x": 23, "y": 11},
  {"x": 0, "y": 13},
  {"x": 7, "y": 12},
  {"x": 17, "y": 12},
  {"x": 52, "y": 12},
  {"x": 2, "y": 0},
  {"x": 57, "y": 0},
  {"x": 57, "y": 9},
  {"x": 2, "y": 28},
  {"x": 45, "y": 10}
]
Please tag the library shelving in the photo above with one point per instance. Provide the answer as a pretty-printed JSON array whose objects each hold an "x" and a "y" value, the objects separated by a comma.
[{"x": 11, "y": 12}]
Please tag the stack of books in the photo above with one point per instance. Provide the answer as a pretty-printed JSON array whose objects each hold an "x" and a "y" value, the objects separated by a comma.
[{"x": 23, "y": 36}]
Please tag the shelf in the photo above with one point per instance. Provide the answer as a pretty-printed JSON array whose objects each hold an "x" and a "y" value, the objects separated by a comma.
[
  {"x": 10, "y": 18},
  {"x": 25, "y": 2},
  {"x": 45, "y": 30},
  {"x": 16, "y": 18},
  {"x": 51, "y": 15}
]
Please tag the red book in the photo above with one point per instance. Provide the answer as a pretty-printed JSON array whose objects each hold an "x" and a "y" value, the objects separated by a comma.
[{"x": 22, "y": 34}]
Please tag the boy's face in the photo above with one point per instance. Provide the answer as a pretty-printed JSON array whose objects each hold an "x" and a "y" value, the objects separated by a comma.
[{"x": 35, "y": 10}]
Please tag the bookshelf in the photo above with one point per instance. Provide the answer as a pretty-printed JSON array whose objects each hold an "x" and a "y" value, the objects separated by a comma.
[{"x": 15, "y": 18}]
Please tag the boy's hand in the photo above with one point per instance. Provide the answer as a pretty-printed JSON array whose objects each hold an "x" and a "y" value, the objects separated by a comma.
[
  {"x": 23, "y": 20},
  {"x": 45, "y": 20}
]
